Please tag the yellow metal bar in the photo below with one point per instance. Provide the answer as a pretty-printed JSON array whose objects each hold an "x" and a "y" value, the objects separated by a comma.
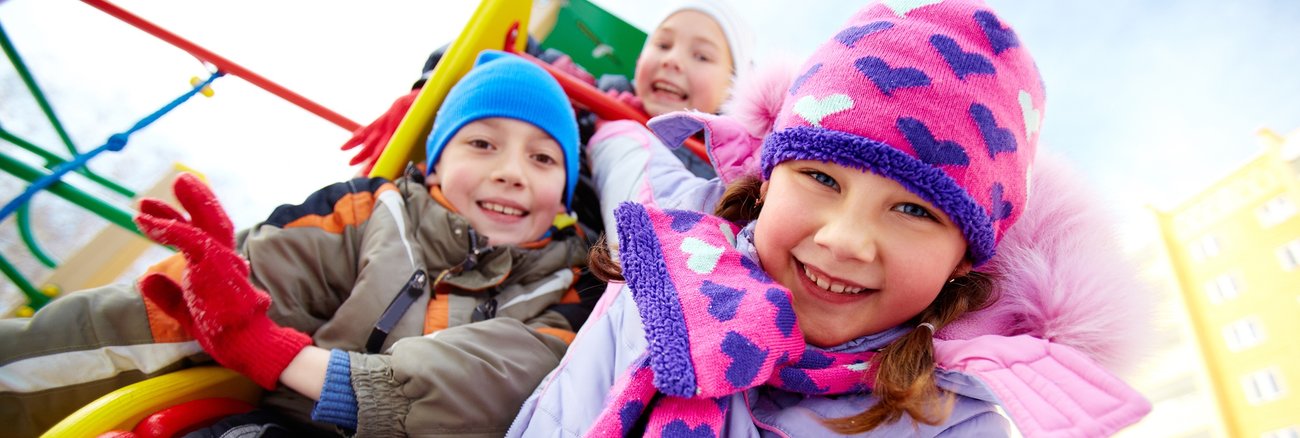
[{"x": 489, "y": 28}]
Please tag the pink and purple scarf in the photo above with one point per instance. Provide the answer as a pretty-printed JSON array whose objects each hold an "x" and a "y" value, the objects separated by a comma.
[{"x": 716, "y": 325}]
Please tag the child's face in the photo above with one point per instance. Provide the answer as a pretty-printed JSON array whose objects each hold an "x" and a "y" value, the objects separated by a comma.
[
  {"x": 505, "y": 176},
  {"x": 859, "y": 253},
  {"x": 685, "y": 64}
]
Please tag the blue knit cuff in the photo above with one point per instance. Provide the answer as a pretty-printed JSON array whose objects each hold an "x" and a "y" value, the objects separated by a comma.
[{"x": 338, "y": 404}]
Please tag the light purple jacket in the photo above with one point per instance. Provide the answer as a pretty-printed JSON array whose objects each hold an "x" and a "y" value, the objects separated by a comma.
[{"x": 1068, "y": 304}]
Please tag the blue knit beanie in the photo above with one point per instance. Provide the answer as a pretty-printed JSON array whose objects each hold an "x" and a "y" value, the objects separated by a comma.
[{"x": 505, "y": 85}]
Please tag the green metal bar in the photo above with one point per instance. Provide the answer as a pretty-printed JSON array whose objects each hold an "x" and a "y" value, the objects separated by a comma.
[
  {"x": 52, "y": 161},
  {"x": 35, "y": 299},
  {"x": 66, "y": 191},
  {"x": 50, "y": 158},
  {"x": 44, "y": 103},
  {"x": 25, "y": 230}
]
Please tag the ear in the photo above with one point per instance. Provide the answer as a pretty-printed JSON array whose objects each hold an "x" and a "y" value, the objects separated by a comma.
[
  {"x": 432, "y": 179},
  {"x": 962, "y": 268}
]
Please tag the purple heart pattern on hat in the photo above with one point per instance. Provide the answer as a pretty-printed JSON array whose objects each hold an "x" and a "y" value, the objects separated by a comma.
[{"x": 941, "y": 96}]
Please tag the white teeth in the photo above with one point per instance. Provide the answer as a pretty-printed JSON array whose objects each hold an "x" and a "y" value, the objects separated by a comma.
[
  {"x": 670, "y": 88},
  {"x": 502, "y": 209},
  {"x": 838, "y": 288}
]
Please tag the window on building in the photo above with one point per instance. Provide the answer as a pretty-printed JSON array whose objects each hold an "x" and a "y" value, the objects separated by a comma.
[
  {"x": 1289, "y": 432},
  {"x": 1263, "y": 386},
  {"x": 1289, "y": 255},
  {"x": 1286, "y": 432},
  {"x": 1275, "y": 211},
  {"x": 1205, "y": 248},
  {"x": 1222, "y": 288},
  {"x": 1244, "y": 333}
]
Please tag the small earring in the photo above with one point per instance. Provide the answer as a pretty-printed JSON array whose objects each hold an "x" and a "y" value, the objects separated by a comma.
[{"x": 950, "y": 280}]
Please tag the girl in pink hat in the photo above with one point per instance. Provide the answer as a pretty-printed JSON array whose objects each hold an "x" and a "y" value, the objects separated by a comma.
[{"x": 877, "y": 263}]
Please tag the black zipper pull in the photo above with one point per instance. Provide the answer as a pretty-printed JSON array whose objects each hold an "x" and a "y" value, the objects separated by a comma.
[{"x": 405, "y": 298}]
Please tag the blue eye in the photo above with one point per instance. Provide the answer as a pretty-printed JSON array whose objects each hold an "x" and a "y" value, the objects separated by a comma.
[
  {"x": 915, "y": 210},
  {"x": 822, "y": 179}
]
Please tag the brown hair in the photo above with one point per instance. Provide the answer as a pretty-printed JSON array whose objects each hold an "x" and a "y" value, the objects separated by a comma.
[{"x": 904, "y": 369}]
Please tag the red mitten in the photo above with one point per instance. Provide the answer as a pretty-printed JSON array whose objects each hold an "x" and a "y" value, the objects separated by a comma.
[
  {"x": 373, "y": 138},
  {"x": 217, "y": 305}
]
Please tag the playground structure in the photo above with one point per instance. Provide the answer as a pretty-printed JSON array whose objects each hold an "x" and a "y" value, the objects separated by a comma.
[
  {"x": 577, "y": 28},
  {"x": 600, "y": 42}
]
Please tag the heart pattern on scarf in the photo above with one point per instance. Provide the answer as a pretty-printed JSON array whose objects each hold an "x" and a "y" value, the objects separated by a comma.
[
  {"x": 746, "y": 359},
  {"x": 962, "y": 62},
  {"x": 997, "y": 138},
  {"x": 701, "y": 256},
  {"x": 1000, "y": 37},
  {"x": 679, "y": 429},
  {"x": 887, "y": 78},
  {"x": 814, "y": 110},
  {"x": 684, "y": 219},
  {"x": 852, "y": 34},
  {"x": 930, "y": 149},
  {"x": 723, "y": 300}
]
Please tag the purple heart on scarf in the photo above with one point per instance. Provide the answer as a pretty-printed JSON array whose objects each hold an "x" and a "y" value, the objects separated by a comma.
[
  {"x": 814, "y": 361},
  {"x": 796, "y": 380},
  {"x": 1001, "y": 208},
  {"x": 746, "y": 359},
  {"x": 998, "y": 139},
  {"x": 930, "y": 149},
  {"x": 679, "y": 429},
  {"x": 684, "y": 220},
  {"x": 1000, "y": 38},
  {"x": 628, "y": 415},
  {"x": 755, "y": 271},
  {"x": 850, "y": 36},
  {"x": 962, "y": 62},
  {"x": 722, "y": 300},
  {"x": 798, "y": 82},
  {"x": 889, "y": 79},
  {"x": 785, "y": 317}
]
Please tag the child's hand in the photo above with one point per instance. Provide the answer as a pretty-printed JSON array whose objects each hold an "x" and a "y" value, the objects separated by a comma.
[
  {"x": 373, "y": 138},
  {"x": 626, "y": 98},
  {"x": 217, "y": 305},
  {"x": 566, "y": 64}
]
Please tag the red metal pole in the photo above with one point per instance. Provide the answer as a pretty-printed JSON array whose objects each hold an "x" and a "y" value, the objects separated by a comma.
[
  {"x": 225, "y": 65},
  {"x": 604, "y": 106}
]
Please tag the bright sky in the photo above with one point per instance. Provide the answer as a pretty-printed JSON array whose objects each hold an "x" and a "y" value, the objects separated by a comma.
[{"x": 1150, "y": 99}]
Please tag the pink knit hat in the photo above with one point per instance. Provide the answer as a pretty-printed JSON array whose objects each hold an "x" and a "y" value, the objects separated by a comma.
[{"x": 939, "y": 96}]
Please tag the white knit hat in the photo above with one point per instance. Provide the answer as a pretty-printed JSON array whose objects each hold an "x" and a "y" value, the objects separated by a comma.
[{"x": 740, "y": 38}]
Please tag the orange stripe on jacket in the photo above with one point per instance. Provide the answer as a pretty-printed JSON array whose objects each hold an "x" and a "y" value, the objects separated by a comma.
[{"x": 351, "y": 209}]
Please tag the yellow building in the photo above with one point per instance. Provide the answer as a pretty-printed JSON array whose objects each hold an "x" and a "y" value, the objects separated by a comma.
[{"x": 1235, "y": 249}]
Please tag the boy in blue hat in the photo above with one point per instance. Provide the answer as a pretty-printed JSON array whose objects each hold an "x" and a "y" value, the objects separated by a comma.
[{"x": 427, "y": 306}]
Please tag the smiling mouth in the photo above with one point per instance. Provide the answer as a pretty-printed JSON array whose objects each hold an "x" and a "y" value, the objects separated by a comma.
[
  {"x": 664, "y": 87},
  {"x": 506, "y": 210},
  {"x": 830, "y": 285}
]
